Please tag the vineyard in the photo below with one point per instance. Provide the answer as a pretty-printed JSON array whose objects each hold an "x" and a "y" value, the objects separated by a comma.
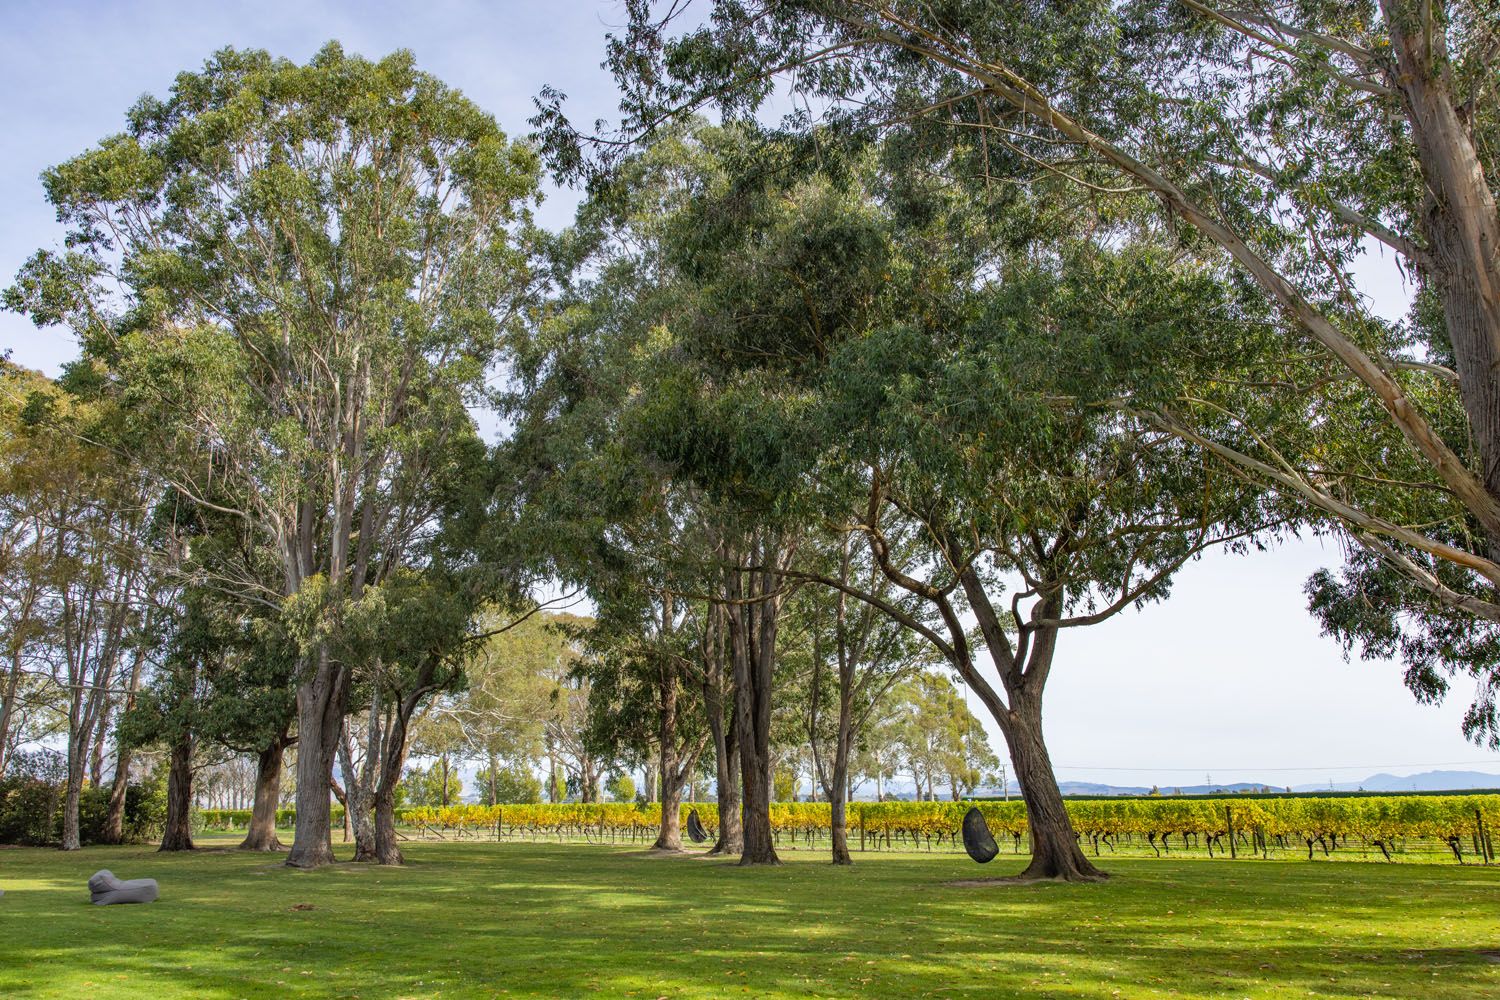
[{"x": 1412, "y": 827}]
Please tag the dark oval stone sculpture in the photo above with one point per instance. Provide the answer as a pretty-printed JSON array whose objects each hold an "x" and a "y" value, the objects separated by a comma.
[
  {"x": 978, "y": 840},
  {"x": 696, "y": 833}
]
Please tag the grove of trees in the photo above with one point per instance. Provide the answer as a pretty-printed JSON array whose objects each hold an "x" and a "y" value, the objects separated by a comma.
[{"x": 833, "y": 422}]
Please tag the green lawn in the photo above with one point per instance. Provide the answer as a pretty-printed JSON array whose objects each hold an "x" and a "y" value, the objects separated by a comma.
[{"x": 484, "y": 920}]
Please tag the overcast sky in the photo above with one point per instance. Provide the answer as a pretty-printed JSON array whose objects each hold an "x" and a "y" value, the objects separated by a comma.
[{"x": 1229, "y": 678}]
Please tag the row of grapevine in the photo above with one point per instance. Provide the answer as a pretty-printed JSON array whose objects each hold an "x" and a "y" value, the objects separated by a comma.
[{"x": 1234, "y": 826}]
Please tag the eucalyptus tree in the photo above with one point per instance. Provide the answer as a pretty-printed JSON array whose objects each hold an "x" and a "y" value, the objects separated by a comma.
[
  {"x": 78, "y": 532},
  {"x": 1285, "y": 140},
  {"x": 859, "y": 654},
  {"x": 940, "y": 738},
  {"x": 638, "y": 658},
  {"x": 499, "y": 712},
  {"x": 414, "y": 636},
  {"x": 932, "y": 369},
  {"x": 296, "y": 277},
  {"x": 607, "y": 397},
  {"x": 247, "y": 702},
  {"x": 29, "y": 470},
  {"x": 1036, "y": 514}
]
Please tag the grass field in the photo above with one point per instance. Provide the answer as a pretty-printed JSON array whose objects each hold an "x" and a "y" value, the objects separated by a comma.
[{"x": 519, "y": 920}]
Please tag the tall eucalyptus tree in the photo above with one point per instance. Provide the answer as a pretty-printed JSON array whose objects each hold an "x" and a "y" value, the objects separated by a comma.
[{"x": 296, "y": 277}]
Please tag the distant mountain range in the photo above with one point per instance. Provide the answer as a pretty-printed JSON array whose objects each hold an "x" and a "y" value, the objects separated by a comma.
[{"x": 1427, "y": 781}]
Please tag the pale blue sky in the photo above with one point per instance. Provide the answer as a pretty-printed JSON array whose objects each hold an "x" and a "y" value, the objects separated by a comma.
[{"x": 1230, "y": 677}]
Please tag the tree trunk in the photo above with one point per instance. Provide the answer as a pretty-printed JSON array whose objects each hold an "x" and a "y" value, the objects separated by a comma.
[
  {"x": 114, "y": 820},
  {"x": 74, "y": 787},
  {"x": 752, "y": 697},
  {"x": 96, "y": 747},
  {"x": 838, "y": 814},
  {"x": 262, "y": 833},
  {"x": 359, "y": 793},
  {"x": 8, "y": 705},
  {"x": 387, "y": 850},
  {"x": 838, "y": 790},
  {"x": 178, "y": 832},
  {"x": 731, "y": 829},
  {"x": 669, "y": 838},
  {"x": 552, "y": 795},
  {"x": 1461, "y": 225},
  {"x": 1055, "y": 853},
  {"x": 320, "y": 716},
  {"x": 759, "y": 844},
  {"x": 752, "y": 642}
]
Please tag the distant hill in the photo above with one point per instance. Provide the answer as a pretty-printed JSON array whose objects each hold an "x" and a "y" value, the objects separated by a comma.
[
  {"x": 1091, "y": 788},
  {"x": 1427, "y": 781}
]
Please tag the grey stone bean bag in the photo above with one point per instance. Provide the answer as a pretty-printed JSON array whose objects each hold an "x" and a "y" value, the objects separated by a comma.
[{"x": 104, "y": 889}]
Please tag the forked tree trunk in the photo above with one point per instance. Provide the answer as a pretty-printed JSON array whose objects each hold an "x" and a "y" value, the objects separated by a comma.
[
  {"x": 387, "y": 850},
  {"x": 721, "y": 729},
  {"x": 753, "y": 614},
  {"x": 752, "y": 709},
  {"x": 177, "y": 835},
  {"x": 262, "y": 833},
  {"x": 759, "y": 844},
  {"x": 359, "y": 791},
  {"x": 320, "y": 716}
]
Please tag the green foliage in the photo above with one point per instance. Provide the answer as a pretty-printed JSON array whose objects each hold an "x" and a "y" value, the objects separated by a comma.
[
  {"x": 507, "y": 784},
  {"x": 785, "y": 785},
  {"x": 1271, "y": 148},
  {"x": 31, "y": 810},
  {"x": 620, "y": 786},
  {"x": 424, "y": 786}
]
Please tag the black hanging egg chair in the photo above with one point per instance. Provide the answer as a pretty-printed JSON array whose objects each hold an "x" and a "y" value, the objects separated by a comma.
[
  {"x": 978, "y": 840},
  {"x": 696, "y": 833}
]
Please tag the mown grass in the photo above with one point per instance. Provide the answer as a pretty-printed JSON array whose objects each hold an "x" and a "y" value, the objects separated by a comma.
[{"x": 547, "y": 920}]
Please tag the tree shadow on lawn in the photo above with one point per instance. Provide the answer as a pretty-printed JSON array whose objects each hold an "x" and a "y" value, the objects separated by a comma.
[{"x": 550, "y": 921}]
